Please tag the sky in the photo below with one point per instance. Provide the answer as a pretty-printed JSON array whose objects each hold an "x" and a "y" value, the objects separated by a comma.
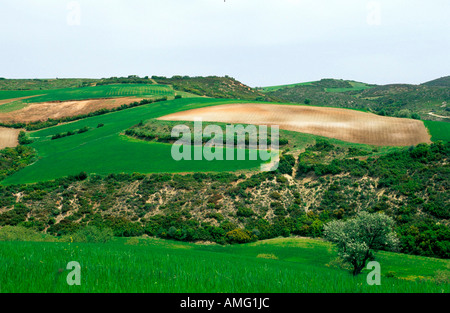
[{"x": 258, "y": 42}]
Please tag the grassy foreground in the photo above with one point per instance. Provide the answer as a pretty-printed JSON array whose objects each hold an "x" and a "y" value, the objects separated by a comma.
[{"x": 287, "y": 265}]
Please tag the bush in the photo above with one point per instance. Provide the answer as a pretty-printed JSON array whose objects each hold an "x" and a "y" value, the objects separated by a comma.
[
  {"x": 19, "y": 233},
  {"x": 23, "y": 138},
  {"x": 15, "y": 216},
  {"x": 339, "y": 263},
  {"x": 275, "y": 195},
  {"x": 442, "y": 277},
  {"x": 90, "y": 234},
  {"x": 80, "y": 176},
  {"x": 244, "y": 212},
  {"x": 287, "y": 161},
  {"x": 238, "y": 236},
  {"x": 83, "y": 130}
]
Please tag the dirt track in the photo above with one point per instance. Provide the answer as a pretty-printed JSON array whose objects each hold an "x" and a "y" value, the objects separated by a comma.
[
  {"x": 348, "y": 125},
  {"x": 45, "y": 110},
  {"x": 8, "y": 137},
  {"x": 15, "y": 99}
]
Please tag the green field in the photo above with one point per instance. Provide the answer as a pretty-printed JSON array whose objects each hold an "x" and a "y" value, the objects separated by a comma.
[
  {"x": 104, "y": 150},
  {"x": 106, "y": 91},
  {"x": 357, "y": 86},
  {"x": 82, "y": 93},
  {"x": 161, "y": 266},
  {"x": 438, "y": 130},
  {"x": 273, "y": 88}
]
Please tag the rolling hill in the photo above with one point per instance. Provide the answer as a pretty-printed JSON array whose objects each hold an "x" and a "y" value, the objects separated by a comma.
[
  {"x": 399, "y": 100},
  {"x": 440, "y": 82},
  {"x": 99, "y": 170}
]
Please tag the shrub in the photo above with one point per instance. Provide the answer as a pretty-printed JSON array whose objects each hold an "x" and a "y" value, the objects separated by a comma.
[
  {"x": 442, "y": 277},
  {"x": 275, "y": 195},
  {"x": 244, "y": 212},
  {"x": 23, "y": 138},
  {"x": 15, "y": 216},
  {"x": 339, "y": 263},
  {"x": 238, "y": 236},
  {"x": 19, "y": 233},
  {"x": 286, "y": 163},
  {"x": 83, "y": 130},
  {"x": 90, "y": 234},
  {"x": 80, "y": 176}
]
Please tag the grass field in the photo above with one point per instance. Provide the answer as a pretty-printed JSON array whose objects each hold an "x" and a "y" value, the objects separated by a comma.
[
  {"x": 273, "y": 88},
  {"x": 103, "y": 150},
  {"x": 105, "y": 91},
  {"x": 438, "y": 130},
  {"x": 357, "y": 86},
  {"x": 82, "y": 93},
  {"x": 161, "y": 266}
]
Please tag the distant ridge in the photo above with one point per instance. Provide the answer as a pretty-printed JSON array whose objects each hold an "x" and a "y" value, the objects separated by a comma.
[{"x": 440, "y": 82}]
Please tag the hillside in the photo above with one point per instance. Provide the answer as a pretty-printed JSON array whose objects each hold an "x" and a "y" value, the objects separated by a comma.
[
  {"x": 326, "y": 84},
  {"x": 62, "y": 83},
  {"x": 44, "y": 84},
  {"x": 440, "y": 82},
  {"x": 214, "y": 86},
  {"x": 104, "y": 136},
  {"x": 427, "y": 101},
  {"x": 105, "y": 170},
  {"x": 329, "y": 180}
]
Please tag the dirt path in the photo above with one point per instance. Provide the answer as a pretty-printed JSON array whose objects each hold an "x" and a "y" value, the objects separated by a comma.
[
  {"x": 16, "y": 99},
  {"x": 440, "y": 116},
  {"x": 348, "y": 125},
  {"x": 8, "y": 137},
  {"x": 45, "y": 110}
]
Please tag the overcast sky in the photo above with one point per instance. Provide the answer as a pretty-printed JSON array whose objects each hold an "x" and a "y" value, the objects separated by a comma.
[{"x": 259, "y": 42}]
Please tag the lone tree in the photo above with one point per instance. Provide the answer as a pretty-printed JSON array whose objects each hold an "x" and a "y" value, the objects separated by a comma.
[{"x": 358, "y": 238}]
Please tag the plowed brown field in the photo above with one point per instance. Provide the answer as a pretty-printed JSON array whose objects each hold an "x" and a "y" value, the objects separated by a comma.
[
  {"x": 45, "y": 110},
  {"x": 348, "y": 125},
  {"x": 8, "y": 137}
]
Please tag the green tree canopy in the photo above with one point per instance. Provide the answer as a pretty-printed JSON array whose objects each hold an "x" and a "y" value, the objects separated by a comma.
[{"x": 358, "y": 238}]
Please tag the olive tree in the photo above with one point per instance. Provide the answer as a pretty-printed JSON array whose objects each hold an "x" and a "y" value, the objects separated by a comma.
[{"x": 358, "y": 238}]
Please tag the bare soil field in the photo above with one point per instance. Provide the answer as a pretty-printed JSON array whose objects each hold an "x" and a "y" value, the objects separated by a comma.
[
  {"x": 348, "y": 125},
  {"x": 8, "y": 137},
  {"x": 45, "y": 110}
]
